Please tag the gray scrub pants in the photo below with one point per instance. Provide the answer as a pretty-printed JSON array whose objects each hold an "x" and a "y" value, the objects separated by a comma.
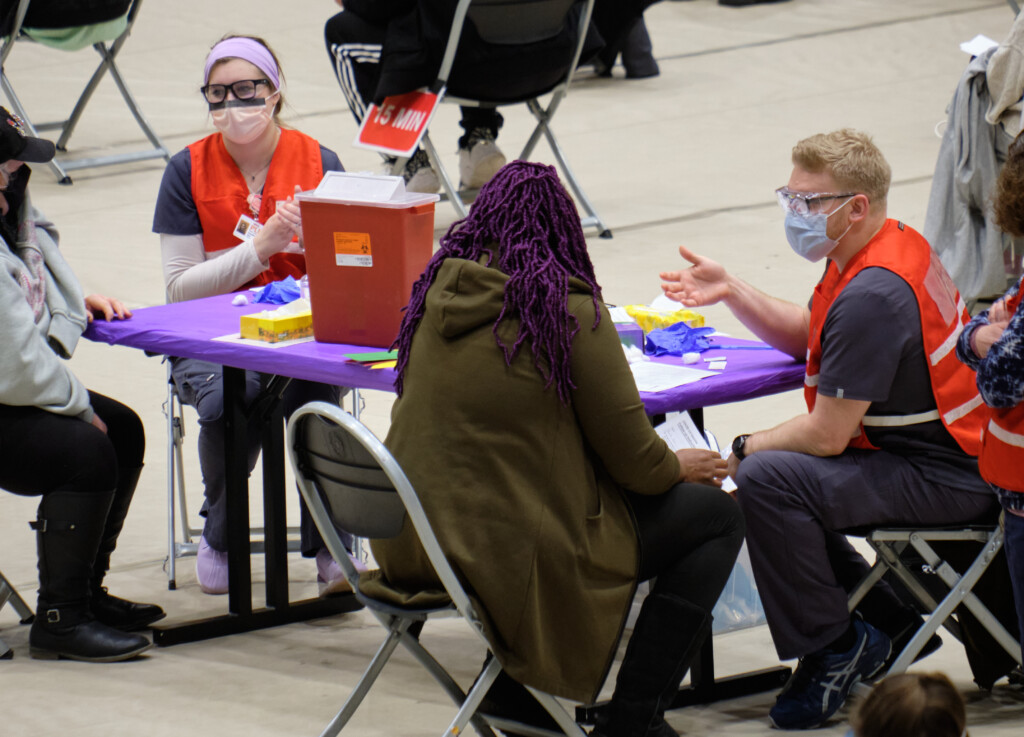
[
  {"x": 796, "y": 507},
  {"x": 200, "y": 385}
]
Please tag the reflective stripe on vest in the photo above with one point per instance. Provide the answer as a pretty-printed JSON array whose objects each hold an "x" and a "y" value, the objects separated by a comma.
[{"x": 906, "y": 253}]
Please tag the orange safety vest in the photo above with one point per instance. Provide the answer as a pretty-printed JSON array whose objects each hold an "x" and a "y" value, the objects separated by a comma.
[
  {"x": 221, "y": 195},
  {"x": 1002, "y": 444},
  {"x": 907, "y": 254}
]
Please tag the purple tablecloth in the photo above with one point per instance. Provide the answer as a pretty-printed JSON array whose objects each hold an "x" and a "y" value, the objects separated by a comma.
[{"x": 187, "y": 329}]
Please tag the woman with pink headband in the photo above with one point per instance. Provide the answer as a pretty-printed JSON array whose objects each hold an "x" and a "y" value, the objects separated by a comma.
[{"x": 227, "y": 221}]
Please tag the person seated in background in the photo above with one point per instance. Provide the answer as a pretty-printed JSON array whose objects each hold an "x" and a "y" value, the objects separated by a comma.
[
  {"x": 227, "y": 220},
  {"x": 378, "y": 49},
  {"x": 355, "y": 39},
  {"x": 622, "y": 27},
  {"x": 892, "y": 429},
  {"x": 551, "y": 493},
  {"x": 911, "y": 705},
  {"x": 81, "y": 451},
  {"x": 993, "y": 345}
]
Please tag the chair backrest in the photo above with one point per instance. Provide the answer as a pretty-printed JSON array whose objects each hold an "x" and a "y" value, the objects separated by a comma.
[
  {"x": 514, "y": 22},
  {"x": 518, "y": 21},
  {"x": 66, "y": 24},
  {"x": 350, "y": 480}
]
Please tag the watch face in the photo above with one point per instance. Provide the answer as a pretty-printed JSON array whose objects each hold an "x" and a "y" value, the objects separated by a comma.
[{"x": 738, "y": 446}]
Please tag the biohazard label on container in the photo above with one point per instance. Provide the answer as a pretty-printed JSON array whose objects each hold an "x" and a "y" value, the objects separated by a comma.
[{"x": 352, "y": 249}]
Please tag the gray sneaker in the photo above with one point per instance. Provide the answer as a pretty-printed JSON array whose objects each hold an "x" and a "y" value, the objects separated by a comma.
[
  {"x": 480, "y": 159},
  {"x": 419, "y": 175}
]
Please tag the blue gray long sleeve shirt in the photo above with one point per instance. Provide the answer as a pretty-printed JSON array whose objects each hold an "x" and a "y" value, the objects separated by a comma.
[{"x": 1000, "y": 372}]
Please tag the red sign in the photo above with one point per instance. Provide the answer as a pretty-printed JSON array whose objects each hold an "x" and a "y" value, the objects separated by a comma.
[{"x": 398, "y": 124}]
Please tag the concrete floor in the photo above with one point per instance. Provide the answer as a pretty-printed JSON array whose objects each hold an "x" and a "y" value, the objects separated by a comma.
[{"x": 691, "y": 156}]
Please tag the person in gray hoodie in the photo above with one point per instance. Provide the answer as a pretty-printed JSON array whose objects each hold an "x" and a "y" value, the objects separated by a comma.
[{"x": 80, "y": 451}]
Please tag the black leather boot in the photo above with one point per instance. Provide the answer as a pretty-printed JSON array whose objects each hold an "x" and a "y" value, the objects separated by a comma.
[
  {"x": 68, "y": 529},
  {"x": 667, "y": 637},
  {"x": 111, "y": 610}
]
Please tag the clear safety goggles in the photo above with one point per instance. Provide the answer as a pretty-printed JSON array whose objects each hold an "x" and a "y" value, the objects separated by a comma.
[{"x": 806, "y": 203}]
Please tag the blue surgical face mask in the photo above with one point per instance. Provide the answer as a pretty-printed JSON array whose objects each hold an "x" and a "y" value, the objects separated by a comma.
[{"x": 808, "y": 234}]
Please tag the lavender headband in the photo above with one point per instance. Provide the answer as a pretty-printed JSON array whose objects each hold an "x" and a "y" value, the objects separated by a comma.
[{"x": 243, "y": 48}]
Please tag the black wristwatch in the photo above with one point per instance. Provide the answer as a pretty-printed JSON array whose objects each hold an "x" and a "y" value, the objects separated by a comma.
[{"x": 738, "y": 446}]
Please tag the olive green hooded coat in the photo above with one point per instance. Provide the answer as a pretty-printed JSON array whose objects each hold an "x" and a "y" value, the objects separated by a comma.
[{"x": 522, "y": 490}]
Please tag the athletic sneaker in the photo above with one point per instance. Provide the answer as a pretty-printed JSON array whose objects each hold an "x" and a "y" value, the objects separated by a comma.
[
  {"x": 823, "y": 680},
  {"x": 420, "y": 175},
  {"x": 480, "y": 159}
]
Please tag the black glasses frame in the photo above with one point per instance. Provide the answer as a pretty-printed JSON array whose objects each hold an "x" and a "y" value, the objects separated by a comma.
[{"x": 215, "y": 93}]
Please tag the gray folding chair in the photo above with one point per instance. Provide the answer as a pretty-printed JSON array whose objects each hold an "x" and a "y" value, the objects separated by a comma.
[
  {"x": 510, "y": 23},
  {"x": 108, "y": 50},
  {"x": 891, "y": 545},
  {"x": 9, "y": 593},
  {"x": 349, "y": 479}
]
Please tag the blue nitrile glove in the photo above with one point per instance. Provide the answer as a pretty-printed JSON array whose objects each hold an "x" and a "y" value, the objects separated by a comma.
[
  {"x": 280, "y": 292},
  {"x": 677, "y": 339}
]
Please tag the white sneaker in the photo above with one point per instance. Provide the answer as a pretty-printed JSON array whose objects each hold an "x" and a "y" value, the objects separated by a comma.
[
  {"x": 420, "y": 175},
  {"x": 480, "y": 159}
]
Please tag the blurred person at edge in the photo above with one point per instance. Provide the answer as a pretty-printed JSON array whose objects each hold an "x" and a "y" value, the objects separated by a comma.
[{"x": 82, "y": 452}]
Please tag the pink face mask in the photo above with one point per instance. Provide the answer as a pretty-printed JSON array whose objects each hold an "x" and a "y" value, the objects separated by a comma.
[{"x": 241, "y": 121}]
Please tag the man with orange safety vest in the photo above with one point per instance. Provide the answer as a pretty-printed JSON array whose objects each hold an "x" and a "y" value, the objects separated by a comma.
[
  {"x": 993, "y": 345},
  {"x": 892, "y": 429}
]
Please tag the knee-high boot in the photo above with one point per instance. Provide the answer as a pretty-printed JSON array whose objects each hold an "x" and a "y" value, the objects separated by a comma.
[
  {"x": 111, "y": 610},
  {"x": 668, "y": 634},
  {"x": 68, "y": 529}
]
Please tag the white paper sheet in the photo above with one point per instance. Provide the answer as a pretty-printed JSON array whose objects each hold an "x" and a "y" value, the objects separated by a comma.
[
  {"x": 679, "y": 431},
  {"x": 656, "y": 377},
  {"x": 237, "y": 338}
]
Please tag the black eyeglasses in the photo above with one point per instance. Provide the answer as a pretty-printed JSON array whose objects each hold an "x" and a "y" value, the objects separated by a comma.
[{"x": 243, "y": 89}]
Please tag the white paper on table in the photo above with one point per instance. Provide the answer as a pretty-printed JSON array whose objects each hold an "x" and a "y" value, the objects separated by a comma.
[
  {"x": 651, "y": 376},
  {"x": 237, "y": 338},
  {"x": 679, "y": 431}
]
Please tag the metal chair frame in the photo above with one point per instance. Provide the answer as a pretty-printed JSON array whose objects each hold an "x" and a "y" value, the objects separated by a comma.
[
  {"x": 108, "y": 52},
  {"x": 543, "y": 114},
  {"x": 9, "y": 594},
  {"x": 182, "y": 534},
  {"x": 374, "y": 498},
  {"x": 890, "y": 543}
]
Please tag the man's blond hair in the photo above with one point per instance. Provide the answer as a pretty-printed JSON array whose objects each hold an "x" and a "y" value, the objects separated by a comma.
[{"x": 851, "y": 158}]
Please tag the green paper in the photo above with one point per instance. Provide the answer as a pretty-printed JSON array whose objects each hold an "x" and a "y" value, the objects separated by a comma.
[{"x": 371, "y": 357}]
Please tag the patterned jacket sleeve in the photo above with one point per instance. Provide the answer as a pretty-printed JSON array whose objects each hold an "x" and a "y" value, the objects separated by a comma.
[{"x": 1001, "y": 372}]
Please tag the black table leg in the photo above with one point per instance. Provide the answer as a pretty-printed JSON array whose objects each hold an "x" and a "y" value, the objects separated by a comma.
[{"x": 241, "y": 617}]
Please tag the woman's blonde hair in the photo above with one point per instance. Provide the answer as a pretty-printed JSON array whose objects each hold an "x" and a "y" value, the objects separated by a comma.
[
  {"x": 851, "y": 158},
  {"x": 912, "y": 705}
]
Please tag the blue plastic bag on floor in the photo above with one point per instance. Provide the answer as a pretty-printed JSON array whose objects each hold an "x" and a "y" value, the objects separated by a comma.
[{"x": 739, "y": 606}]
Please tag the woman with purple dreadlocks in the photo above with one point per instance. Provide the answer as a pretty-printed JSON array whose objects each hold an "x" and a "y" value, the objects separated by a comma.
[{"x": 520, "y": 425}]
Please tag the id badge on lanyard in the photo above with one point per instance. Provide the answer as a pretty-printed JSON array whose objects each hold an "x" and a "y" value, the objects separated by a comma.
[{"x": 248, "y": 227}]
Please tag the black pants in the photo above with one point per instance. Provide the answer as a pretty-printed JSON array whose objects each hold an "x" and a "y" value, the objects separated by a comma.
[
  {"x": 42, "y": 452},
  {"x": 689, "y": 539}
]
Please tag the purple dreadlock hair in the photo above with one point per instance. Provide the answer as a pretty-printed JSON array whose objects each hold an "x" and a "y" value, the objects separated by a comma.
[{"x": 526, "y": 224}]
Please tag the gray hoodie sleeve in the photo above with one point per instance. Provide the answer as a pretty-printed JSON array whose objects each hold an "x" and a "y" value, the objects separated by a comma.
[{"x": 32, "y": 372}]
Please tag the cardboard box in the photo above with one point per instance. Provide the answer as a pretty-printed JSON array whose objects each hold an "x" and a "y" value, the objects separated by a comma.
[{"x": 274, "y": 328}]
